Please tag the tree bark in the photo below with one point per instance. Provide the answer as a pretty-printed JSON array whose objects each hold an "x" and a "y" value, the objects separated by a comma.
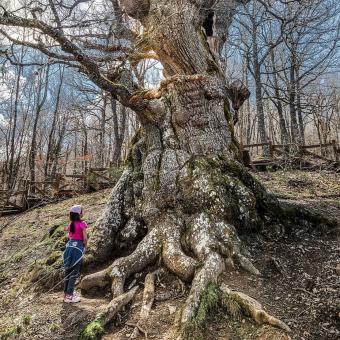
[
  {"x": 119, "y": 125},
  {"x": 51, "y": 147},
  {"x": 294, "y": 128},
  {"x": 299, "y": 108}
]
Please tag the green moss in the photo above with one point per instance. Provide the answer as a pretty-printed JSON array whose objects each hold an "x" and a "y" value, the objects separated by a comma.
[
  {"x": 60, "y": 243},
  {"x": 231, "y": 306},
  {"x": 94, "y": 330},
  {"x": 26, "y": 319},
  {"x": 91, "y": 178},
  {"x": 18, "y": 257},
  {"x": 45, "y": 276},
  {"x": 207, "y": 308},
  {"x": 47, "y": 271},
  {"x": 3, "y": 275},
  {"x": 15, "y": 330},
  {"x": 56, "y": 231},
  {"x": 208, "y": 303},
  {"x": 58, "y": 263},
  {"x": 133, "y": 158},
  {"x": 227, "y": 113}
]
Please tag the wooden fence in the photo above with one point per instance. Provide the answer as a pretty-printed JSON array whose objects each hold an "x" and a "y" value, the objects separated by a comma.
[
  {"x": 28, "y": 194},
  {"x": 269, "y": 149}
]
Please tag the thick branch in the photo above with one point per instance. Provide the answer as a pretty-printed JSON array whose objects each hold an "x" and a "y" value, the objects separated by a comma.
[{"x": 121, "y": 89}]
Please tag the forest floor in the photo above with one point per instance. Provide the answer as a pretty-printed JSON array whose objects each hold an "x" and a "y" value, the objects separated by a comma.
[{"x": 298, "y": 284}]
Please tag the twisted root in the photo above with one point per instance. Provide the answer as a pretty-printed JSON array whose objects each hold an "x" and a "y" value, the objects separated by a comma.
[
  {"x": 96, "y": 328},
  {"x": 212, "y": 243},
  {"x": 148, "y": 299},
  {"x": 254, "y": 309}
]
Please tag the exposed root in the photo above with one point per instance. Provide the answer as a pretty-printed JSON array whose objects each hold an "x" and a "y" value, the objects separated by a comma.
[
  {"x": 173, "y": 256},
  {"x": 96, "y": 328},
  {"x": 208, "y": 303},
  {"x": 246, "y": 264},
  {"x": 98, "y": 279},
  {"x": 117, "y": 303},
  {"x": 101, "y": 241},
  {"x": 139, "y": 328},
  {"x": 148, "y": 299},
  {"x": 254, "y": 309},
  {"x": 195, "y": 241},
  {"x": 145, "y": 254},
  {"x": 212, "y": 268}
]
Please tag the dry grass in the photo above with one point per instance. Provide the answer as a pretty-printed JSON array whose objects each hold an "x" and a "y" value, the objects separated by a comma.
[{"x": 298, "y": 184}]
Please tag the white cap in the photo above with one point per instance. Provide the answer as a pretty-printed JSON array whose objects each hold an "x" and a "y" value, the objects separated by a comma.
[{"x": 76, "y": 209}]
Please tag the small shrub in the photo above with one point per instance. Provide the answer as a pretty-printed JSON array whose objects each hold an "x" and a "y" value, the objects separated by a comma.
[
  {"x": 26, "y": 319},
  {"x": 92, "y": 331}
]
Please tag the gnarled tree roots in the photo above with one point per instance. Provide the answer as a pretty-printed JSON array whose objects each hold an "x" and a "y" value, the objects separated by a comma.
[
  {"x": 215, "y": 247},
  {"x": 192, "y": 211}
]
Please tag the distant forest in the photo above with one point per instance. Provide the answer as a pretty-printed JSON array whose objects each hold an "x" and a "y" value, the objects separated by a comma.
[{"x": 55, "y": 120}]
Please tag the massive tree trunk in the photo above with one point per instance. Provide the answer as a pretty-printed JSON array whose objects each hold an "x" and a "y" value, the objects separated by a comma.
[{"x": 185, "y": 198}]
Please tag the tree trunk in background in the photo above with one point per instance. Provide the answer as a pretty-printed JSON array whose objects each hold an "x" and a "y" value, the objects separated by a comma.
[
  {"x": 58, "y": 146},
  {"x": 102, "y": 133},
  {"x": 278, "y": 103},
  {"x": 51, "y": 144},
  {"x": 40, "y": 104},
  {"x": 258, "y": 89},
  {"x": 119, "y": 126},
  {"x": 299, "y": 109},
  {"x": 11, "y": 173},
  {"x": 294, "y": 128}
]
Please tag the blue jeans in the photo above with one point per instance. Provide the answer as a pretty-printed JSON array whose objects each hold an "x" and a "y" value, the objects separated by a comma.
[
  {"x": 73, "y": 255},
  {"x": 71, "y": 275}
]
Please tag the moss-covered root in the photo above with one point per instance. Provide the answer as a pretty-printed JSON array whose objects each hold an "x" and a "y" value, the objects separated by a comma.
[
  {"x": 253, "y": 308},
  {"x": 214, "y": 298},
  {"x": 202, "y": 298},
  {"x": 208, "y": 304},
  {"x": 95, "y": 329},
  {"x": 102, "y": 239}
]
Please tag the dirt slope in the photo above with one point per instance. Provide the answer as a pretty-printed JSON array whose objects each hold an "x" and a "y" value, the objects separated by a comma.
[{"x": 298, "y": 282}]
